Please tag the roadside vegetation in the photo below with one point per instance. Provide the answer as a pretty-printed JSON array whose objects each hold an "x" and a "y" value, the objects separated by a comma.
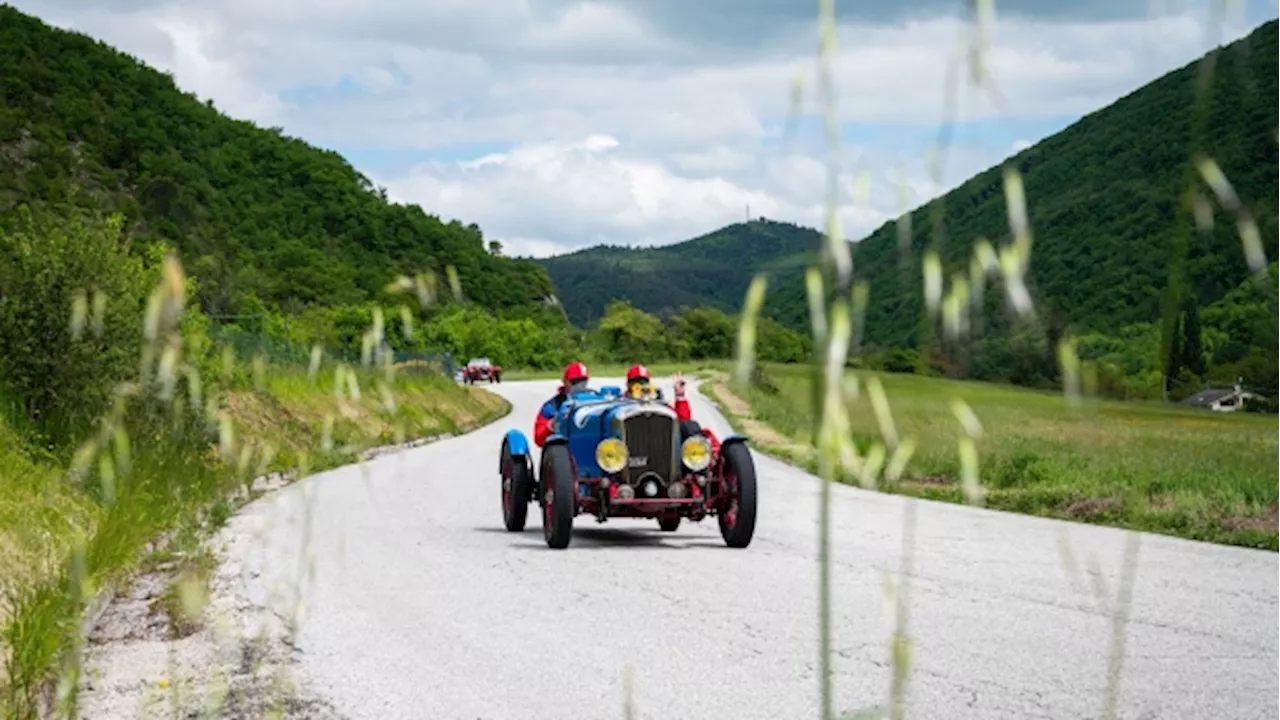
[
  {"x": 127, "y": 434},
  {"x": 1143, "y": 466}
]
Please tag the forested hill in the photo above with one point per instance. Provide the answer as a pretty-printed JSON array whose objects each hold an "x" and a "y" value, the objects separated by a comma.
[
  {"x": 1101, "y": 199},
  {"x": 711, "y": 270},
  {"x": 252, "y": 212}
]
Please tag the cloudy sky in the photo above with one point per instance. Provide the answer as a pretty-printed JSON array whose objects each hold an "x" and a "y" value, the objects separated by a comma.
[{"x": 559, "y": 124}]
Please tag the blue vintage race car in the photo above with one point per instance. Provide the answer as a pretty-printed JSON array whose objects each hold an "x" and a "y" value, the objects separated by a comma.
[{"x": 615, "y": 456}]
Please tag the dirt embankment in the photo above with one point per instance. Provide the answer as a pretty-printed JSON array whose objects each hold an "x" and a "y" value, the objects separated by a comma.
[{"x": 739, "y": 414}]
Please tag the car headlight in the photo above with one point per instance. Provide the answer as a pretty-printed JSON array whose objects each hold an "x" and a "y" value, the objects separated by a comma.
[
  {"x": 696, "y": 453},
  {"x": 611, "y": 455}
]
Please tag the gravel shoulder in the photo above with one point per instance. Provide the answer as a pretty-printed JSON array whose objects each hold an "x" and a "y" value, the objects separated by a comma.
[{"x": 239, "y": 663}]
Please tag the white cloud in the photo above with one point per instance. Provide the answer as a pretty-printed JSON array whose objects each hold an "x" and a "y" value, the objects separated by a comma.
[
  {"x": 628, "y": 124},
  {"x": 542, "y": 198}
]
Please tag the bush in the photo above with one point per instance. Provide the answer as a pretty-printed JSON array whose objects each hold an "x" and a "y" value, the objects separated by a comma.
[
  {"x": 62, "y": 381},
  {"x": 901, "y": 361},
  {"x": 1265, "y": 405}
]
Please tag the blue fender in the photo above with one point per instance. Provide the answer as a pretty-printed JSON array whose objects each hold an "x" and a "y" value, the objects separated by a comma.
[
  {"x": 555, "y": 439},
  {"x": 518, "y": 445}
]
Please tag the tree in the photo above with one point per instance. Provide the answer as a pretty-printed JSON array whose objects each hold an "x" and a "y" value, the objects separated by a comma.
[
  {"x": 1192, "y": 348},
  {"x": 708, "y": 332},
  {"x": 1174, "y": 344},
  {"x": 495, "y": 248},
  {"x": 629, "y": 334}
]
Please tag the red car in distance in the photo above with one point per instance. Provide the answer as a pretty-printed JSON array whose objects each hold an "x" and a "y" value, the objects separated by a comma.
[{"x": 481, "y": 370}]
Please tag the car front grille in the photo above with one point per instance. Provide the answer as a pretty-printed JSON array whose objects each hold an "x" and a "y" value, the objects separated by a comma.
[{"x": 650, "y": 439}]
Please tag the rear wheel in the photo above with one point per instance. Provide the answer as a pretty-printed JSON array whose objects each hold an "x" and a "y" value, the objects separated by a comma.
[
  {"x": 515, "y": 490},
  {"x": 557, "y": 496},
  {"x": 738, "y": 515}
]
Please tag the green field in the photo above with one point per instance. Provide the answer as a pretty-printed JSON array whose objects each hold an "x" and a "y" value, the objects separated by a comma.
[{"x": 1190, "y": 473}]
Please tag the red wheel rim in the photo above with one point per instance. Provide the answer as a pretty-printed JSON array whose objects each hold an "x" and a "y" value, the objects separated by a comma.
[
  {"x": 731, "y": 512},
  {"x": 548, "y": 509}
]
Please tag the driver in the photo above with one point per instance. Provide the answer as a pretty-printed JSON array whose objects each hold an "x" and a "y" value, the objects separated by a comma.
[
  {"x": 639, "y": 385},
  {"x": 574, "y": 379}
]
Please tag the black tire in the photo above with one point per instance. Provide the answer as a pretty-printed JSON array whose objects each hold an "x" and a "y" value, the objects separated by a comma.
[
  {"x": 739, "y": 524},
  {"x": 557, "y": 515},
  {"x": 669, "y": 524},
  {"x": 516, "y": 488}
]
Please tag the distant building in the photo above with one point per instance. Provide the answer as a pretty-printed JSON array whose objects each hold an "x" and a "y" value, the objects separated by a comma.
[{"x": 1220, "y": 399}]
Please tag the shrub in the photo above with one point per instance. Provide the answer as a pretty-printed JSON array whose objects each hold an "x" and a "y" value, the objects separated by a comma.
[{"x": 45, "y": 262}]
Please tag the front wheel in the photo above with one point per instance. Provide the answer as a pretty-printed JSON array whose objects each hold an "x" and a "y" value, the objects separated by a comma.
[
  {"x": 516, "y": 488},
  {"x": 738, "y": 516},
  {"x": 557, "y": 496},
  {"x": 669, "y": 524}
]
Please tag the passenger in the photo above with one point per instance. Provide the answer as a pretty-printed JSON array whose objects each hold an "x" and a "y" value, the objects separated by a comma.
[{"x": 639, "y": 385}]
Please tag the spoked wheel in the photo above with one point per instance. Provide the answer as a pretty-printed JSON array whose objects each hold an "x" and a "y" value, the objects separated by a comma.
[
  {"x": 738, "y": 517},
  {"x": 516, "y": 488},
  {"x": 557, "y": 496}
]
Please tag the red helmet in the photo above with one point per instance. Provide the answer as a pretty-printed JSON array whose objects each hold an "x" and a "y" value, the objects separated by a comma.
[
  {"x": 637, "y": 372},
  {"x": 574, "y": 372}
]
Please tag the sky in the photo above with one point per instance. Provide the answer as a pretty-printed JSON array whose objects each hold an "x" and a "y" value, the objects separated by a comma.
[{"x": 560, "y": 124}]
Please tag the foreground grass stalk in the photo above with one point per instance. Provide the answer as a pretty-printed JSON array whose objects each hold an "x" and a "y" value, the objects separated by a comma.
[
  {"x": 901, "y": 646},
  {"x": 840, "y": 267},
  {"x": 1120, "y": 624}
]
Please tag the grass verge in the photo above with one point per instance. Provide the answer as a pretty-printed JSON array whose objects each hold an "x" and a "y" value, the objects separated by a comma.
[
  {"x": 63, "y": 541},
  {"x": 1188, "y": 473}
]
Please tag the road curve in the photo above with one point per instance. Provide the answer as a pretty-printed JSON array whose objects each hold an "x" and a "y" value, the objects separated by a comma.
[{"x": 420, "y": 605}]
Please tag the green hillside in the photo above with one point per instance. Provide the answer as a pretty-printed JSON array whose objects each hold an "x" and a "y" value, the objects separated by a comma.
[
  {"x": 711, "y": 270},
  {"x": 252, "y": 212},
  {"x": 1101, "y": 200}
]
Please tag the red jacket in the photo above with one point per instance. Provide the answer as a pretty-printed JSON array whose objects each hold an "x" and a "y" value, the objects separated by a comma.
[{"x": 681, "y": 406}]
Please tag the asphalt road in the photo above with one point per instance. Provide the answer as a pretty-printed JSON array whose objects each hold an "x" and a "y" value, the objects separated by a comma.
[{"x": 420, "y": 605}]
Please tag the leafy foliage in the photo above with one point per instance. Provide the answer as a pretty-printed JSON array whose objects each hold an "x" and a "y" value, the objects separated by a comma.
[
  {"x": 627, "y": 334},
  {"x": 44, "y": 263}
]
